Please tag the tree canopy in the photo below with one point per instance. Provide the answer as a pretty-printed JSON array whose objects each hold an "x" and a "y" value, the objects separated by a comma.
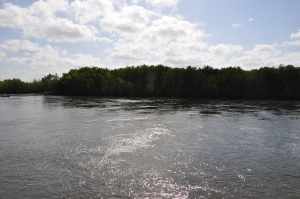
[{"x": 161, "y": 81}]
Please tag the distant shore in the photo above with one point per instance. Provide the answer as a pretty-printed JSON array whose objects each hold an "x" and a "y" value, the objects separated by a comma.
[{"x": 281, "y": 83}]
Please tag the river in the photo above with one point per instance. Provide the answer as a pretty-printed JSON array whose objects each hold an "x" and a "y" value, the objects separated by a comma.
[{"x": 63, "y": 147}]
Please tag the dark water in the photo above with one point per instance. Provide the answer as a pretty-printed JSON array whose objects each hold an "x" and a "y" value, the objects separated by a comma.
[{"x": 55, "y": 147}]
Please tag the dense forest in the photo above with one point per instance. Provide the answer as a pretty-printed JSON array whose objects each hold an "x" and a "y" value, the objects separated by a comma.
[{"x": 160, "y": 81}]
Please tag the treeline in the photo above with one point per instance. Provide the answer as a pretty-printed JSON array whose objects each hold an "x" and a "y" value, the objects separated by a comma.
[{"x": 160, "y": 81}]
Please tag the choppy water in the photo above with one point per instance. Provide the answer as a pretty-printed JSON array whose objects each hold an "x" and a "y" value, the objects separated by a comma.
[{"x": 56, "y": 147}]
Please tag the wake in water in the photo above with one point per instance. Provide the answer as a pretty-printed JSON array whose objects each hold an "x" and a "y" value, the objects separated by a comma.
[
  {"x": 139, "y": 183},
  {"x": 130, "y": 143}
]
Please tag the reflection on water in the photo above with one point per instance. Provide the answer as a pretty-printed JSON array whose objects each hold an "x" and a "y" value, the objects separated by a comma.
[{"x": 62, "y": 147}]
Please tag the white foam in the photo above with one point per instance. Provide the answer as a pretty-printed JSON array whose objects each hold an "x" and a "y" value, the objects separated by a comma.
[
  {"x": 157, "y": 186},
  {"x": 125, "y": 143},
  {"x": 255, "y": 129},
  {"x": 243, "y": 178},
  {"x": 125, "y": 119},
  {"x": 139, "y": 140}
]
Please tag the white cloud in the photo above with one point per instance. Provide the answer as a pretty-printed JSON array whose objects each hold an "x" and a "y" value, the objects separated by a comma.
[
  {"x": 15, "y": 46},
  {"x": 295, "y": 39},
  {"x": 37, "y": 60},
  {"x": 236, "y": 25},
  {"x": 139, "y": 34},
  {"x": 41, "y": 20},
  {"x": 130, "y": 19},
  {"x": 86, "y": 11},
  {"x": 225, "y": 50},
  {"x": 296, "y": 35},
  {"x": 251, "y": 19},
  {"x": 164, "y": 40},
  {"x": 2, "y": 55},
  {"x": 162, "y": 3},
  {"x": 259, "y": 56}
]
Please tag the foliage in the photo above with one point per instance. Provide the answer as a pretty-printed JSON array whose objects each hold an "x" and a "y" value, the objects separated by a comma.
[{"x": 160, "y": 81}]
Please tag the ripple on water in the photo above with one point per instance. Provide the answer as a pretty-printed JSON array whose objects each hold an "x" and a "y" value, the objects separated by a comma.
[
  {"x": 110, "y": 156},
  {"x": 156, "y": 186},
  {"x": 149, "y": 183},
  {"x": 130, "y": 143},
  {"x": 126, "y": 119}
]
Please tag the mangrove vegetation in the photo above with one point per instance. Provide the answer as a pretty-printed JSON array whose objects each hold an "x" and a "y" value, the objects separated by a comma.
[{"x": 160, "y": 81}]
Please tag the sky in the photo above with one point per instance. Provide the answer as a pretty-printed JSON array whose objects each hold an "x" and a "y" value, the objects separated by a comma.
[{"x": 54, "y": 36}]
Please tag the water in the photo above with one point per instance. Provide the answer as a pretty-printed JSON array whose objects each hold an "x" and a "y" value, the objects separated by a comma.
[{"x": 56, "y": 147}]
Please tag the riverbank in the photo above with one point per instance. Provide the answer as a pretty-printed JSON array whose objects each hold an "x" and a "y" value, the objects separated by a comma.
[{"x": 280, "y": 83}]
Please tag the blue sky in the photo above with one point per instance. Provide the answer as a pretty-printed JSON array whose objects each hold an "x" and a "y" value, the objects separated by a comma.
[
  {"x": 274, "y": 20},
  {"x": 53, "y": 36}
]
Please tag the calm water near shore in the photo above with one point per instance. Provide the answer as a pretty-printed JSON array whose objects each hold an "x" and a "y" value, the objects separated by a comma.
[{"x": 61, "y": 147}]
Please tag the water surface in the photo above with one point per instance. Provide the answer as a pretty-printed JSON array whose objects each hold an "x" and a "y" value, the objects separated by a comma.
[{"x": 60, "y": 147}]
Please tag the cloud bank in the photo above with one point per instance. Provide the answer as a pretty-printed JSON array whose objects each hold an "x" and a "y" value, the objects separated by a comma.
[{"x": 126, "y": 32}]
